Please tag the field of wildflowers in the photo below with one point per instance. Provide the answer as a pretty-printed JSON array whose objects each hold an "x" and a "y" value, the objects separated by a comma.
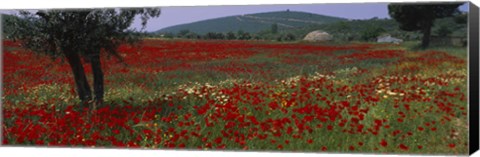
[{"x": 241, "y": 95}]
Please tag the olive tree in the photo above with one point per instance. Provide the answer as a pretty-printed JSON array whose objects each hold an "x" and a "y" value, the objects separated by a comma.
[{"x": 77, "y": 34}]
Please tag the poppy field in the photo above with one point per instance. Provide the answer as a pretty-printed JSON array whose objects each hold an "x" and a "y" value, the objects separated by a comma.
[{"x": 245, "y": 95}]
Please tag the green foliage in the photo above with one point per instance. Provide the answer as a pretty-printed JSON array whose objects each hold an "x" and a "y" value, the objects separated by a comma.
[
  {"x": 417, "y": 17},
  {"x": 372, "y": 32},
  {"x": 86, "y": 31},
  {"x": 421, "y": 17},
  {"x": 7, "y": 29},
  {"x": 443, "y": 31},
  {"x": 290, "y": 37},
  {"x": 241, "y": 35},
  {"x": 461, "y": 19},
  {"x": 274, "y": 28},
  {"x": 213, "y": 35},
  {"x": 231, "y": 36},
  {"x": 352, "y": 30},
  {"x": 344, "y": 30},
  {"x": 168, "y": 35},
  {"x": 450, "y": 26},
  {"x": 192, "y": 35},
  {"x": 183, "y": 33},
  {"x": 285, "y": 37}
]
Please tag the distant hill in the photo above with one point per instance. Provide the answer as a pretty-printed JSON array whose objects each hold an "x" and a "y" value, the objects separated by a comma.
[{"x": 253, "y": 23}]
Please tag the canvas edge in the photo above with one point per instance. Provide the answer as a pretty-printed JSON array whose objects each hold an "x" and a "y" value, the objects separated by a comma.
[
  {"x": 1, "y": 79},
  {"x": 473, "y": 81}
]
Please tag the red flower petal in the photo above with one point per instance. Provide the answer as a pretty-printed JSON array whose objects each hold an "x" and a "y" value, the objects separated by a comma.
[{"x": 383, "y": 143}]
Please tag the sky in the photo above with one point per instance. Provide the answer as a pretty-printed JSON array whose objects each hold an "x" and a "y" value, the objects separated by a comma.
[{"x": 171, "y": 16}]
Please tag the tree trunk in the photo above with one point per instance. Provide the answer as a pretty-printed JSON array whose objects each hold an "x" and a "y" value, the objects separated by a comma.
[
  {"x": 426, "y": 36},
  {"x": 83, "y": 89},
  {"x": 97, "y": 78}
]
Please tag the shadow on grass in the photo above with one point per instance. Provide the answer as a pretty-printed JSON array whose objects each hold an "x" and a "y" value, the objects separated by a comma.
[{"x": 458, "y": 51}]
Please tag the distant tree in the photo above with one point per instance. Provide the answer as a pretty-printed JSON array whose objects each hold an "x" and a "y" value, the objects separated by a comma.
[
  {"x": 209, "y": 35},
  {"x": 371, "y": 32},
  {"x": 220, "y": 35},
  {"x": 231, "y": 36},
  {"x": 168, "y": 35},
  {"x": 289, "y": 37},
  {"x": 246, "y": 36},
  {"x": 343, "y": 29},
  {"x": 214, "y": 35},
  {"x": 274, "y": 28},
  {"x": 413, "y": 17},
  {"x": 191, "y": 35},
  {"x": 182, "y": 33},
  {"x": 264, "y": 34},
  {"x": 443, "y": 31},
  {"x": 80, "y": 33},
  {"x": 279, "y": 38},
  {"x": 241, "y": 35},
  {"x": 461, "y": 19}
]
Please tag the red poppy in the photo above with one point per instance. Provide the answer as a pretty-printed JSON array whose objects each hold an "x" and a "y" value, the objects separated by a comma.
[
  {"x": 351, "y": 148},
  {"x": 383, "y": 143},
  {"x": 218, "y": 140},
  {"x": 330, "y": 127},
  {"x": 310, "y": 141},
  {"x": 273, "y": 141},
  {"x": 403, "y": 147},
  {"x": 181, "y": 145},
  {"x": 324, "y": 148},
  {"x": 280, "y": 146}
]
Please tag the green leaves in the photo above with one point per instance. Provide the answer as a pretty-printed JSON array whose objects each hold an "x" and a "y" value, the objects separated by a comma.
[
  {"x": 421, "y": 16},
  {"x": 415, "y": 17},
  {"x": 86, "y": 31}
]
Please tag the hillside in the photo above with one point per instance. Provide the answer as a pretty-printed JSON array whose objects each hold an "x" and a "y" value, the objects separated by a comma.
[{"x": 254, "y": 23}]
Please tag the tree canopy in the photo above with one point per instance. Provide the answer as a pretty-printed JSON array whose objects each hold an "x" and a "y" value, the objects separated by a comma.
[
  {"x": 56, "y": 32},
  {"x": 421, "y": 17}
]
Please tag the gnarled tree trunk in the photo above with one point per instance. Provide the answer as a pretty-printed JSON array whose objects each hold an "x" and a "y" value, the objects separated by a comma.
[
  {"x": 83, "y": 89},
  {"x": 97, "y": 78},
  {"x": 426, "y": 36}
]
